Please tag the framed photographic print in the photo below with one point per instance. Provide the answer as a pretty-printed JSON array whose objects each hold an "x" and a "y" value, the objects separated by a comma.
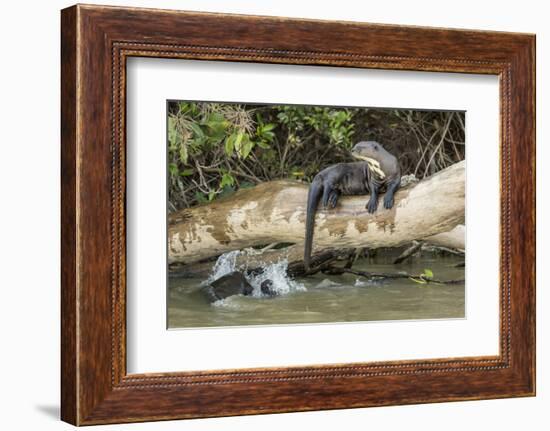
[{"x": 265, "y": 215}]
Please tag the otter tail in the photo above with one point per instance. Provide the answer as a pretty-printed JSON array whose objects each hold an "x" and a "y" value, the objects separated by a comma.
[{"x": 313, "y": 198}]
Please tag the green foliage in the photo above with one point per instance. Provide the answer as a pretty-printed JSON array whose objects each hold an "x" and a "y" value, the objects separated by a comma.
[
  {"x": 215, "y": 149},
  {"x": 330, "y": 123}
]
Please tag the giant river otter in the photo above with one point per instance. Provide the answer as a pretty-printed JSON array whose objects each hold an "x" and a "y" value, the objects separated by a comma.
[
  {"x": 228, "y": 285},
  {"x": 378, "y": 171}
]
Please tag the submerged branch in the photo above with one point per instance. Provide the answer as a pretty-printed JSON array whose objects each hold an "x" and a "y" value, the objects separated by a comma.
[{"x": 378, "y": 276}]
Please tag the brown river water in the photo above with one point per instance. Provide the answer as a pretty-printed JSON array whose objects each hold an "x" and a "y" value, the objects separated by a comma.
[{"x": 324, "y": 298}]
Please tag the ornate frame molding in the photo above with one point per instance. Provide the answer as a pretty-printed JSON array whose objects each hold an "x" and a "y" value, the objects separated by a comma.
[{"x": 96, "y": 41}]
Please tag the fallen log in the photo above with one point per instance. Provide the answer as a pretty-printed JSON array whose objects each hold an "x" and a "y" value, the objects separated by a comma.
[
  {"x": 455, "y": 238},
  {"x": 274, "y": 212}
]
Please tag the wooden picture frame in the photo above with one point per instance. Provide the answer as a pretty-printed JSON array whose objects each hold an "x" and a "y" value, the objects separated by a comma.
[{"x": 95, "y": 43}]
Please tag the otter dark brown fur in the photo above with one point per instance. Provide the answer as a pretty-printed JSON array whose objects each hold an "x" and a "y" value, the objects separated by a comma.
[
  {"x": 228, "y": 285},
  {"x": 377, "y": 172}
]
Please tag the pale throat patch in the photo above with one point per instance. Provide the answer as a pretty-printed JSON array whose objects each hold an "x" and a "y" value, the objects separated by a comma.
[{"x": 374, "y": 166}]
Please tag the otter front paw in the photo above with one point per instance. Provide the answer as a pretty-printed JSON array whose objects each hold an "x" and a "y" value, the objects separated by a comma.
[
  {"x": 388, "y": 202},
  {"x": 372, "y": 206}
]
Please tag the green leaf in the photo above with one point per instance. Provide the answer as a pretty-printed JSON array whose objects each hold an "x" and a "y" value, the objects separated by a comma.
[
  {"x": 227, "y": 180},
  {"x": 238, "y": 140},
  {"x": 211, "y": 196},
  {"x": 216, "y": 134},
  {"x": 264, "y": 132},
  {"x": 230, "y": 144},
  {"x": 341, "y": 116},
  {"x": 428, "y": 273},
  {"x": 215, "y": 117},
  {"x": 246, "y": 147},
  {"x": 263, "y": 144},
  {"x": 268, "y": 127},
  {"x": 259, "y": 119},
  {"x": 217, "y": 126},
  {"x": 173, "y": 169},
  {"x": 187, "y": 172},
  {"x": 197, "y": 131}
]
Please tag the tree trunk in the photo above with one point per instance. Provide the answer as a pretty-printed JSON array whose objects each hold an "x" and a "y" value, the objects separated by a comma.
[{"x": 274, "y": 212}]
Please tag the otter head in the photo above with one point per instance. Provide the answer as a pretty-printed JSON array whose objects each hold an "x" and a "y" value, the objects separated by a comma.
[{"x": 371, "y": 152}]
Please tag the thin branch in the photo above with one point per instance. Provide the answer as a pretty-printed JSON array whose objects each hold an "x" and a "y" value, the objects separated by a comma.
[{"x": 377, "y": 276}]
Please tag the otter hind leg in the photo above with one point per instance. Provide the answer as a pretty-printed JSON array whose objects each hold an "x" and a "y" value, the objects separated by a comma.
[
  {"x": 327, "y": 192},
  {"x": 333, "y": 198}
]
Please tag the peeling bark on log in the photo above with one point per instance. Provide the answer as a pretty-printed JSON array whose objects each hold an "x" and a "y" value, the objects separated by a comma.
[{"x": 275, "y": 212}]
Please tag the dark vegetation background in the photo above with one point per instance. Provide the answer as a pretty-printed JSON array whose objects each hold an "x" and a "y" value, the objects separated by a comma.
[{"x": 215, "y": 149}]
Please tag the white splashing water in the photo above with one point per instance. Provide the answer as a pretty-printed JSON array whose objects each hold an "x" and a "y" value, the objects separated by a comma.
[
  {"x": 225, "y": 264},
  {"x": 276, "y": 272}
]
